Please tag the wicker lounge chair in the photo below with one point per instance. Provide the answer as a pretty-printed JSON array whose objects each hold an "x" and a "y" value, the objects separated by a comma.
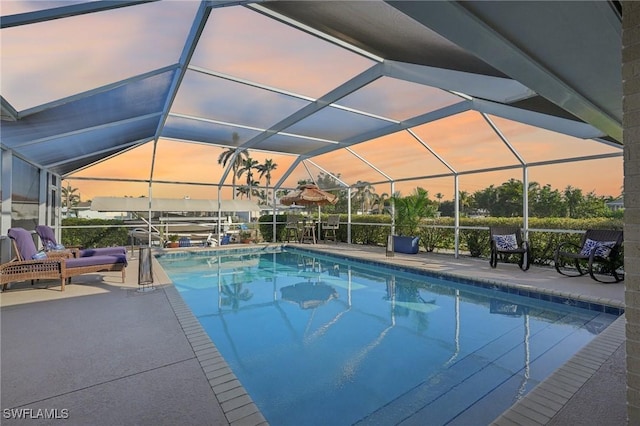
[
  {"x": 508, "y": 241},
  {"x": 48, "y": 239},
  {"x": 25, "y": 268},
  {"x": 598, "y": 253},
  {"x": 28, "y": 264}
]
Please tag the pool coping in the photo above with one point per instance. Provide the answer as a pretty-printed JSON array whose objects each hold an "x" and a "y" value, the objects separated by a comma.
[
  {"x": 236, "y": 404},
  {"x": 537, "y": 407},
  {"x": 551, "y": 395}
]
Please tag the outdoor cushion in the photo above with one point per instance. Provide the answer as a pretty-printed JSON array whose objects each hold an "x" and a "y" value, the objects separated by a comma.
[
  {"x": 603, "y": 248},
  {"x": 103, "y": 251},
  {"x": 24, "y": 242},
  {"x": 506, "y": 242},
  {"x": 96, "y": 260}
]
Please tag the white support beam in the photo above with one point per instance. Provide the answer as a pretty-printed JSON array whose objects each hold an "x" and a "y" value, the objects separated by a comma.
[{"x": 462, "y": 24}]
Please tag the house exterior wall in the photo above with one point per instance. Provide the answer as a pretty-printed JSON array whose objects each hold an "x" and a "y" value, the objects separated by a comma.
[{"x": 631, "y": 125}]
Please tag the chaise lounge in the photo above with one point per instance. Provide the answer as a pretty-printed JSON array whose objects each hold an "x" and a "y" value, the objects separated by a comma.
[{"x": 30, "y": 264}]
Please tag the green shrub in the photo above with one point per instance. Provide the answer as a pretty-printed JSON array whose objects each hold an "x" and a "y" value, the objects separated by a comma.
[
  {"x": 371, "y": 229},
  {"x": 440, "y": 234},
  {"x": 266, "y": 229},
  {"x": 432, "y": 236},
  {"x": 94, "y": 233}
]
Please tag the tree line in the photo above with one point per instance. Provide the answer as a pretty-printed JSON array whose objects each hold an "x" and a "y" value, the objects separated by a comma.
[{"x": 504, "y": 200}]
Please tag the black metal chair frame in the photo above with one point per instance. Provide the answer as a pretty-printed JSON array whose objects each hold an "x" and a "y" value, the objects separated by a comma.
[
  {"x": 523, "y": 250},
  {"x": 568, "y": 251}
]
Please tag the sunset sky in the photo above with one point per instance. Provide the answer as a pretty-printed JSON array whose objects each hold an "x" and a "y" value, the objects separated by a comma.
[{"x": 84, "y": 52}]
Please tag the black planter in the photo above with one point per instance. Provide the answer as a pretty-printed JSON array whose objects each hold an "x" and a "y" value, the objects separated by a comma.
[{"x": 407, "y": 245}]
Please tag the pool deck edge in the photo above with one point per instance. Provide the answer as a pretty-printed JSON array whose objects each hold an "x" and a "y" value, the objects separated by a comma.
[
  {"x": 237, "y": 405},
  {"x": 570, "y": 377}
]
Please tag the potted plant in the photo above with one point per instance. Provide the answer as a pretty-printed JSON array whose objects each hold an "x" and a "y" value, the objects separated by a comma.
[
  {"x": 245, "y": 237},
  {"x": 173, "y": 241},
  {"x": 410, "y": 211}
]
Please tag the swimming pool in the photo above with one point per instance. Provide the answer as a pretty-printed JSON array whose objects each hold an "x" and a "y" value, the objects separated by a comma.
[{"x": 318, "y": 340}]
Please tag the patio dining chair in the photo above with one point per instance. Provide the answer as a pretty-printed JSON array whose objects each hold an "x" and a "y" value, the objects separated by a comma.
[
  {"x": 507, "y": 241},
  {"x": 598, "y": 254},
  {"x": 292, "y": 228},
  {"x": 330, "y": 227}
]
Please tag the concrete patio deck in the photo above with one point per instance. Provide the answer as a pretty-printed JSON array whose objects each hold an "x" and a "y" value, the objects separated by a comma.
[{"x": 102, "y": 353}]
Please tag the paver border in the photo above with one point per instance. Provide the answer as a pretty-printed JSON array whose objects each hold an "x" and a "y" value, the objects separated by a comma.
[{"x": 237, "y": 406}]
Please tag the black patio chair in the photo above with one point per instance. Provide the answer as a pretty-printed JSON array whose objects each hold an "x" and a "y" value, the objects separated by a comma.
[
  {"x": 598, "y": 253},
  {"x": 508, "y": 241}
]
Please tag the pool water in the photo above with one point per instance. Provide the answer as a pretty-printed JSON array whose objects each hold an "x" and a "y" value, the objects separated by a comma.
[{"x": 317, "y": 340}]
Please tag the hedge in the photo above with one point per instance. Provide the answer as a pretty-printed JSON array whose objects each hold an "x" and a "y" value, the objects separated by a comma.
[
  {"x": 435, "y": 234},
  {"x": 438, "y": 234},
  {"x": 94, "y": 233},
  {"x": 543, "y": 243}
]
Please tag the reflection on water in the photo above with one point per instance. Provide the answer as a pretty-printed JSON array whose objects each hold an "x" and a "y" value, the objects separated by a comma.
[{"x": 309, "y": 294}]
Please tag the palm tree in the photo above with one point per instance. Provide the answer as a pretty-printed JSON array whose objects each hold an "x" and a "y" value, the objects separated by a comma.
[
  {"x": 69, "y": 197},
  {"x": 364, "y": 195},
  {"x": 265, "y": 170},
  {"x": 411, "y": 209},
  {"x": 464, "y": 200},
  {"x": 262, "y": 196},
  {"x": 248, "y": 166},
  {"x": 227, "y": 155},
  {"x": 573, "y": 197},
  {"x": 242, "y": 190},
  {"x": 380, "y": 200}
]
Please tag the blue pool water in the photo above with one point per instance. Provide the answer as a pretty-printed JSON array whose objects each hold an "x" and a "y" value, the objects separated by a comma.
[{"x": 318, "y": 340}]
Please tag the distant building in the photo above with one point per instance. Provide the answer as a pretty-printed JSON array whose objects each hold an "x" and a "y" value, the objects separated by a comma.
[
  {"x": 616, "y": 204},
  {"x": 83, "y": 210}
]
